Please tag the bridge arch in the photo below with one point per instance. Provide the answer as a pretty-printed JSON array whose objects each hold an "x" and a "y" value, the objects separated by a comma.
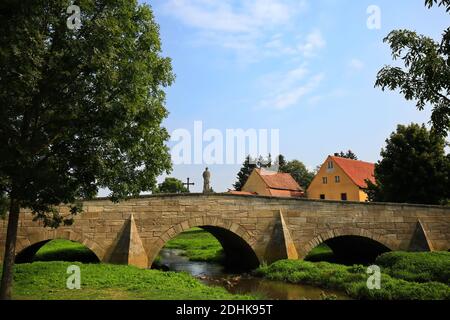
[
  {"x": 351, "y": 241},
  {"x": 238, "y": 243},
  {"x": 28, "y": 246}
]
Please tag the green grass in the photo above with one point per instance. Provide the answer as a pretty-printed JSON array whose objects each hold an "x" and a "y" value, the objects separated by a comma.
[
  {"x": 47, "y": 281},
  {"x": 321, "y": 253},
  {"x": 46, "y": 277},
  {"x": 65, "y": 250},
  {"x": 198, "y": 245},
  {"x": 417, "y": 267},
  {"x": 352, "y": 280}
]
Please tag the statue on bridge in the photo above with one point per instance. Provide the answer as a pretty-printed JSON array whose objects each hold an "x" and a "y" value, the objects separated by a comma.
[{"x": 206, "y": 177}]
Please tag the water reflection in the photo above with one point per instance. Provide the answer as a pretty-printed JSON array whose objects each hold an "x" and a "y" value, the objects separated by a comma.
[{"x": 216, "y": 275}]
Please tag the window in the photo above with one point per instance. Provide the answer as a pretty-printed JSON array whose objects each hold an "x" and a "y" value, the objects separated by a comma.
[
  {"x": 330, "y": 165},
  {"x": 337, "y": 179},
  {"x": 325, "y": 180},
  {"x": 322, "y": 197},
  {"x": 343, "y": 196}
]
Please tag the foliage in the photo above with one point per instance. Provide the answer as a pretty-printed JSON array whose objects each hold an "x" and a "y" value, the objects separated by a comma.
[
  {"x": 445, "y": 3},
  {"x": 171, "y": 185},
  {"x": 426, "y": 76},
  {"x": 299, "y": 172},
  {"x": 247, "y": 168},
  {"x": 198, "y": 245},
  {"x": 348, "y": 155},
  {"x": 280, "y": 162},
  {"x": 81, "y": 108},
  {"x": 417, "y": 266},
  {"x": 296, "y": 168},
  {"x": 4, "y": 204},
  {"x": 46, "y": 281},
  {"x": 413, "y": 169},
  {"x": 352, "y": 280}
]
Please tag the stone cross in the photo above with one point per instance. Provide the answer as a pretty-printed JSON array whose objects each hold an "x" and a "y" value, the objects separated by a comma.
[{"x": 188, "y": 184}]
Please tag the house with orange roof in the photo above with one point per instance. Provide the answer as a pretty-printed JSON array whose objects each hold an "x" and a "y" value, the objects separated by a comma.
[
  {"x": 342, "y": 179},
  {"x": 270, "y": 183}
]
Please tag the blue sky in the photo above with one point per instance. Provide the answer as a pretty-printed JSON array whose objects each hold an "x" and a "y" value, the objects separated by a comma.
[{"x": 304, "y": 67}]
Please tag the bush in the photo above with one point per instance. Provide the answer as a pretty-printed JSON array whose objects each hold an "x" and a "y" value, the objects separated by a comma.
[
  {"x": 352, "y": 280},
  {"x": 417, "y": 266}
]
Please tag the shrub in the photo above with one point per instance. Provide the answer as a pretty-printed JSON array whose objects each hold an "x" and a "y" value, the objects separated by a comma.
[
  {"x": 352, "y": 280},
  {"x": 417, "y": 266}
]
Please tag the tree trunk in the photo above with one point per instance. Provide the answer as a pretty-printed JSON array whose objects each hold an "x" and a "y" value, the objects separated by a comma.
[{"x": 10, "y": 250}]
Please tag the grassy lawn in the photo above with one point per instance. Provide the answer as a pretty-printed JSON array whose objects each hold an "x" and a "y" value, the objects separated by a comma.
[
  {"x": 321, "y": 253},
  {"x": 47, "y": 281},
  {"x": 46, "y": 277},
  {"x": 65, "y": 250},
  {"x": 198, "y": 245},
  {"x": 395, "y": 266}
]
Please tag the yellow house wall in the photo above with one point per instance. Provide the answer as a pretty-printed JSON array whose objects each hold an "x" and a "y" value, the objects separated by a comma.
[
  {"x": 256, "y": 184},
  {"x": 363, "y": 196},
  {"x": 333, "y": 190}
]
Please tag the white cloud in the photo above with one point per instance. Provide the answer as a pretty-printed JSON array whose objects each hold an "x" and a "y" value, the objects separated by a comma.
[
  {"x": 292, "y": 89},
  {"x": 356, "y": 64},
  {"x": 315, "y": 99},
  {"x": 314, "y": 41},
  {"x": 253, "y": 29},
  {"x": 232, "y": 16},
  {"x": 308, "y": 46}
]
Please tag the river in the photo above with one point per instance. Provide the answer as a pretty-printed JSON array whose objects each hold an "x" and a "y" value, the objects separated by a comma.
[{"x": 215, "y": 274}]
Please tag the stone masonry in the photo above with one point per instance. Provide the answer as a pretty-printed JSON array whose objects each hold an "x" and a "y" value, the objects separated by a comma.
[{"x": 251, "y": 229}]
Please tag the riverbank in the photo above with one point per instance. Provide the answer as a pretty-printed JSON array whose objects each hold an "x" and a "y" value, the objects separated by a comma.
[
  {"x": 197, "y": 245},
  {"x": 47, "y": 281},
  {"x": 405, "y": 276}
]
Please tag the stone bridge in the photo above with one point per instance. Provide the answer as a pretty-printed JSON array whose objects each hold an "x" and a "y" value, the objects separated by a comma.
[{"x": 251, "y": 229}]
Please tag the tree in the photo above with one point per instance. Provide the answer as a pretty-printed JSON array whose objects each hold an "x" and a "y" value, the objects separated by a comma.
[
  {"x": 426, "y": 77},
  {"x": 261, "y": 162},
  {"x": 348, "y": 155},
  {"x": 171, "y": 185},
  {"x": 299, "y": 172},
  {"x": 413, "y": 169},
  {"x": 247, "y": 168},
  {"x": 81, "y": 109},
  {"x": 280, "y": 162},
  {"x": 4, "y": 203}
]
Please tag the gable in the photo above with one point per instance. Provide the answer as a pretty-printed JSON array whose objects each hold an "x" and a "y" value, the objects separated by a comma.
[{"x": 357, "y": 171}]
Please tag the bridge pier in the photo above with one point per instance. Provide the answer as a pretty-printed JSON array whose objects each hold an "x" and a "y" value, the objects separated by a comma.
[{"x": 252, "y": 229}]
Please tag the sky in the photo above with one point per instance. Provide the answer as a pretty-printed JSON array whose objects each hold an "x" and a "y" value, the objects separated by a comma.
[{"x": 306, "y": 68}]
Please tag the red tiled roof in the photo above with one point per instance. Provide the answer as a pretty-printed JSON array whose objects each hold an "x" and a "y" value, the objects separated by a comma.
[
  {"x": 358, "y": 171},
  {"x": 242, "y": 193},
  {"x": 280, "y": 181},
  {"x": 286, "y": 193}
]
